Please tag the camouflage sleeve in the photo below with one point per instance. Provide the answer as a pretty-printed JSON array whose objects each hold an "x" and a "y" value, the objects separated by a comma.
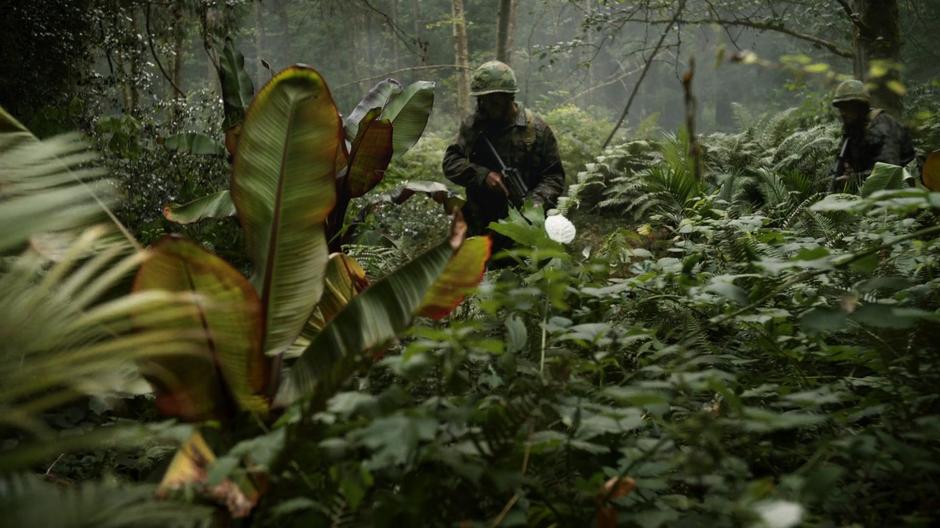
[
  {"x": 881, "y": 137},
  {"x": 892, "y": 138},
  {"x": 457, "y": 165},
  {"x": 552, "y": 181}
]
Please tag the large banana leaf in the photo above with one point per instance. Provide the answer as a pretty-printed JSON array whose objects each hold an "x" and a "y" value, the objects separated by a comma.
[
  {"x": 283, "y": 186},
  {"x": 216, "y": 205},
  {"x": 371, "y": 152},
  {"x": 344, "y": 279},
  {"x": 461, "y": 276},
  {"x": 409, "y": 111},
  {"x": 372, "y": 318},
  {"x": 229, "y": 316},
  {"x": 237, "y": 88},
  {"x": 377, "y": 97}
]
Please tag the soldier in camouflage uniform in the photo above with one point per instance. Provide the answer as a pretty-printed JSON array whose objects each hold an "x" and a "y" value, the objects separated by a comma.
[
  {"x": 869, "y": 135},
  {"x": 522, "y": 140}
]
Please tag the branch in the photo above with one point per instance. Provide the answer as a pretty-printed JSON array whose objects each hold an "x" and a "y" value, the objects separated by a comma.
[
  {"x": 853, "y": 16},
  {"x": 399, "y": 33},
  {"x": 646, "y": 69},
  {"x": 154, "y": 53},
  {"x": 762, "y": 25},
  {"x": 411, "y": 68}
]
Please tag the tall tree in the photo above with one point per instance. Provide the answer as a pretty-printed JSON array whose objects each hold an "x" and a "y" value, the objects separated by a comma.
[
  {"x": 461, "y": 58},
  {"x": 504, "y": 29},
  {"x": 878, "y": 49}
]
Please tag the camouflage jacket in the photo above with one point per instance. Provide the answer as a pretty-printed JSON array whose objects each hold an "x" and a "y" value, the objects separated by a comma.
[
  {"x": 882, "y": 139},
  {"x": 527, "y": 145}
]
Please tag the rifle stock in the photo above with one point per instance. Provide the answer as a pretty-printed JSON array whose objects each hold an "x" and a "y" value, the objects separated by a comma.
[{"x": 839, "y": 167}]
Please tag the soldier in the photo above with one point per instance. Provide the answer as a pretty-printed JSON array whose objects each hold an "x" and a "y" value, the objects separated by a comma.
[
  {"x": 520, "y": 138},
  {"x": 869, "y": 135}
]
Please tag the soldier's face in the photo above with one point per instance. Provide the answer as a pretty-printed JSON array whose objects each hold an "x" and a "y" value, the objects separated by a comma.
[
  {"x": 852, "y": 113},
  {"x": 496, "y": 107}
]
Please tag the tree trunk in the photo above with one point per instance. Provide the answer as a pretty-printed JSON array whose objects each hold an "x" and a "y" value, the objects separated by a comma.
[
  {"x": 420, "y": 44},
  {"x": 391, "y": 33},
  {"x": 589, "y": 50},
  {"x": 503, "y": 30},
  {"x": 462, "y": 59},
  {"x": 259, "y": 43},
  {"x": 879, "y": 51},
  {"x": 179, "y": 34}
]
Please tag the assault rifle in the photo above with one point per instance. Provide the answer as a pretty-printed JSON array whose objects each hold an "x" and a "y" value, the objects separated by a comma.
[
  {"x": 839, "y": 166},
  {"x": 513, "y": 180}
]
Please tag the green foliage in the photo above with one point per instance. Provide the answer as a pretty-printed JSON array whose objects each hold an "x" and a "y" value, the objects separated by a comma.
[{"x": 579, "y": 134}]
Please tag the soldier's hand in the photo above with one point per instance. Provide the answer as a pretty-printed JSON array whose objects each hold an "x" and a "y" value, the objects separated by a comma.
[{"x": 494, "y": 180}]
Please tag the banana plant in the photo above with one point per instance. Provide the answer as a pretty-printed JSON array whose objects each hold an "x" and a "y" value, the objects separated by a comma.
[
  {"x": 303, "y": 322},
  {"x": 384, "y": 125}
]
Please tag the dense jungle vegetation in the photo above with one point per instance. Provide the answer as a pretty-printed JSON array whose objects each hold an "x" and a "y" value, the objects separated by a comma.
[{"x": 234, "y": 293}]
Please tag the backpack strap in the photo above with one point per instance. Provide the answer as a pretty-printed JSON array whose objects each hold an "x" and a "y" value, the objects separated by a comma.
[{"x": 529, "y": 137}]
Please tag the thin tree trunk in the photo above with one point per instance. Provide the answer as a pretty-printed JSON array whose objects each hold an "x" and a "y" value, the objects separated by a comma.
[
  {"x": 462, "y": 59},
  {"x": 391, "y": 33},
  {"x": 589, "y": 41},
  {"x": 179, "y": 33},
  {"x": 880, "y": 43},
  {"x": 420, "y": 44},
  {"x": 259, "y": 43},
  {"x": 503, "y": 29}
]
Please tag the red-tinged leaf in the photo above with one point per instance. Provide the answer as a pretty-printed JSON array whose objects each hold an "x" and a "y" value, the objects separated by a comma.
[
  {"x": 190, "y": 468},
  {"x": 190, "y": 465},
  {"x": 378, "y": 97},
  {"x": 371, "y": 152},
  {"x": 344, "y": 279},
  {"x": 461, "y": 276},
  {"x": 228, "y": 313},
  {"x": 283, "y": 186}
]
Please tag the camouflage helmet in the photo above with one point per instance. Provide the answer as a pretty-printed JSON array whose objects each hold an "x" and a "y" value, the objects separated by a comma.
[
  {"x": 851, "y": 90},
  {"x": 493, "y": 77}
]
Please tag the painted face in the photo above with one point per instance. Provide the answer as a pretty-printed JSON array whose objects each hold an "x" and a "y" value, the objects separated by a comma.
[
  {"x": 852, "y": 113},
  {"x": 496, "y": 107}
]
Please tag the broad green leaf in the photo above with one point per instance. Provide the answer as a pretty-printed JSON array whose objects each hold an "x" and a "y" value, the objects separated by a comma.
[
  {"x": 229, "y": 315},
  {"x": 371, "y": 152},
  {"x": 194, "y": 143},
  {"x": 377, "y": 97},
  {"x": 435, "y": 190},
  {"x": 237, "y": 88},
  {"x": 216, "y": 205},
  {"x": 516, "y": 334},
  {"x": 372, "y": 318},
  {"x": 409, "y": 111},
  {"x": 283, "y": 186},
  {"x": 837, "y": 202},
  {"x": 890, "y": 316},
  {"x": 461, "y": 276},
  {"x": 883, "y": 176},
  {"x": 344, "y": 279},
  {"x": 823, "y": 319}
]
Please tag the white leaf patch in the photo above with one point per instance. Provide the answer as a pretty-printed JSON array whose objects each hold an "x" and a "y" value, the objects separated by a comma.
[{"x": 560, "y": 229}]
